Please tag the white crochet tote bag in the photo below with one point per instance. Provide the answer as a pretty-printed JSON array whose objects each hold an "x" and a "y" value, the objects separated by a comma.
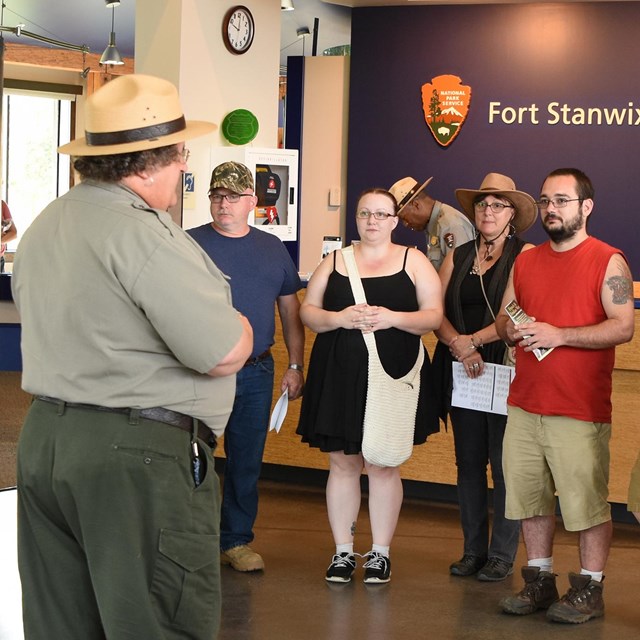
[{"x": 390, "y": 412}]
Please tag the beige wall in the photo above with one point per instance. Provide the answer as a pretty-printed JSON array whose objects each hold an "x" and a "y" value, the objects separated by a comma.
[
  {"x": 324, "y": 154},
  {"x": 181, "y": 40}
]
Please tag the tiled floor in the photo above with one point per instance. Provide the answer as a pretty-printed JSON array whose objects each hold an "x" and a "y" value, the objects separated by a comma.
[{"x": 292, "y": 601}]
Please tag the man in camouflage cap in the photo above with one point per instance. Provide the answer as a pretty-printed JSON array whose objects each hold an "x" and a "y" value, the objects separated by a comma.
[
  {"x": 445, "y": 227},
  {"x": 261, "y": 274},
  {"x": 233, "y": 176}
]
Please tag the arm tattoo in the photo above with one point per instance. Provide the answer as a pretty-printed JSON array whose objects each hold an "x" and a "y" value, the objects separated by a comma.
[{"x": 621, "y": 289}]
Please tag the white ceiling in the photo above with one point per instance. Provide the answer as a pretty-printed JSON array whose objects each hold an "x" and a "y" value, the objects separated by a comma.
[{"x": 89, "y": 22}]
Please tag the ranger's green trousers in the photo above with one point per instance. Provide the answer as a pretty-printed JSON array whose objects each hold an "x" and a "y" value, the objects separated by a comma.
[{"x": 114, "y": 540}]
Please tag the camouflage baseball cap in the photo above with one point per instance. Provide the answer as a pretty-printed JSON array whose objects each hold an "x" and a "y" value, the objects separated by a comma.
[{"x": 233, "y": 176}]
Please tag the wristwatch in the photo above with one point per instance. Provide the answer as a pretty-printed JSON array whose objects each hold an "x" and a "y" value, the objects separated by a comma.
[{"x": 297, "y": 367}]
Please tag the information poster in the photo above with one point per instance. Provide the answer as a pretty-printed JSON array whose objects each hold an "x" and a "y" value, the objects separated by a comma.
[
  {"x": 188, "y": 190},
  {"x": 329, "y": 244}
]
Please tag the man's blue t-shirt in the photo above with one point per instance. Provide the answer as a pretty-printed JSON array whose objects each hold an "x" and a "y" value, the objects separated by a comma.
[{"x": 260, "y": 271}]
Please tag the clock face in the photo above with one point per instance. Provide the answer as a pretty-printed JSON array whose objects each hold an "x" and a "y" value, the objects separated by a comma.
[{"x": 238, "y": 29}]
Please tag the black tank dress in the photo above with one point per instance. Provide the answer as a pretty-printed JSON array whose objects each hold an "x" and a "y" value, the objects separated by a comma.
[{"x": 335, "y": 392}]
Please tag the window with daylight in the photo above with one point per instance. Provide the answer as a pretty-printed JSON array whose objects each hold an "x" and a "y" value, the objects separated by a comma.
[{"x": 34, "y": 124}]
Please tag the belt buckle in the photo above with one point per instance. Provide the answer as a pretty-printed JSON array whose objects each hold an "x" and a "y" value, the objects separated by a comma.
[{"x": 257, "y": 359}]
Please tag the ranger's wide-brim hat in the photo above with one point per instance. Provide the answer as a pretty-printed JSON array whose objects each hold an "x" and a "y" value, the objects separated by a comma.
[
  {"x": 134, "y": 112},
  {"x": 405, "y": 190},
  {"x": 526, "y": 210}
]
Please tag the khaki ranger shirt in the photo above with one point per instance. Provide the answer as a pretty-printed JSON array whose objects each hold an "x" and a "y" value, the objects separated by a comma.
[{"x": 121, "y": 308}]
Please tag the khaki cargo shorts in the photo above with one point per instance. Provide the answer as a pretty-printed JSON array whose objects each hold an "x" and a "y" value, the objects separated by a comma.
[{"x": 548, "y": 456}]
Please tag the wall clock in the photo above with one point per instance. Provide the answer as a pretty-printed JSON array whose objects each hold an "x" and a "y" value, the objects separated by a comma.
[{"x": 238, "y": 29}]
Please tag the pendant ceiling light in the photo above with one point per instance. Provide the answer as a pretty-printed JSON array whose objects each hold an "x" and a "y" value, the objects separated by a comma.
[
  {"x": 286, "y": 5},
  {"x": 111, "y": 54}
]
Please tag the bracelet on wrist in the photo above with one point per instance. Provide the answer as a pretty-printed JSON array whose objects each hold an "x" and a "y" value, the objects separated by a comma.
[
  {"x": 473, "y": 341},
  {"x": 296, "y": 367}
]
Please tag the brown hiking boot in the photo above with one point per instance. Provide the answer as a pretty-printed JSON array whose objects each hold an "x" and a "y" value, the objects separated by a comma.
[
  {"x": 539, "y": 592},
  {"x": 242, "y": 558},
  {"x": 582, "y": 602}
]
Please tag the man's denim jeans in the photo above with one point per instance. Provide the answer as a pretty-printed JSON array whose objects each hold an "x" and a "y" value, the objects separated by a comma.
[{"x": 244, "y": 440}]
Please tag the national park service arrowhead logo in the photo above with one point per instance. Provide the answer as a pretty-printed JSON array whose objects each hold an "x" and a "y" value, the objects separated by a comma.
[{"x": 445, "y": 102}]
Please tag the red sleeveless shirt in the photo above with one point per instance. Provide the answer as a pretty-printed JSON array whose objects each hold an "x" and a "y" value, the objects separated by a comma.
[{"x": 564, "y": 289}]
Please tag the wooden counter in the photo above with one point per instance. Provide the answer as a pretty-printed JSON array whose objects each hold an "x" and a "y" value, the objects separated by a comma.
[
  {"x": 8, "y": 313},
  {"x": 435, "y": 460}
]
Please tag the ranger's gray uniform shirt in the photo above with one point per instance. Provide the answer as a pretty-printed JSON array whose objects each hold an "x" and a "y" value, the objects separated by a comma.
[
  {"x": 447, "y": 229},
  {"x": 121, "y": 308}
]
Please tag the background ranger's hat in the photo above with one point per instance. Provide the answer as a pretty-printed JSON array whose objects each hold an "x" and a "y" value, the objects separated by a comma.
[
  {"x": 407, "y": 190},
  {"x": 233, "y": 176}
]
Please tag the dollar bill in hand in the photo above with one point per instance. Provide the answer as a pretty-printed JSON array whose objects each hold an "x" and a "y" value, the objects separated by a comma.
[{"x": 518, "y": 316}]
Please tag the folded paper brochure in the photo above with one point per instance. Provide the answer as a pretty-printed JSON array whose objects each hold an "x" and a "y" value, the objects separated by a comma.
[
  {"x": 518, "y": 316},
  {"x": 279, "y": 412}
]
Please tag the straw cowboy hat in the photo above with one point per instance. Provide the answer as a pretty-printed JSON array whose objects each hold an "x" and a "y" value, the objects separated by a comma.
[
  {"x": 405, "y": 190},
  {"x": 526, "y": 210},
  {"x": 134, "y": 113}
]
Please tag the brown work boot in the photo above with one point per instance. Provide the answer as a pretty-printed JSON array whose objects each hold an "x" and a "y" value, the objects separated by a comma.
[
  {"x": 242, "y": 558},
  {"x": 582, "y": 602},
  {"x": 539, "y": 592}
]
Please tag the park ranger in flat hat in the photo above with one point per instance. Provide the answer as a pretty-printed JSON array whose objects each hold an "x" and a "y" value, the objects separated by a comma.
[{"x": 444, "y": 226}]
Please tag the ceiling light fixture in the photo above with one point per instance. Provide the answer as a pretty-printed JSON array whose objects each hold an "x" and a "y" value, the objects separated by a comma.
[
  {"x": 302, "y": 32},
  {"x": 112, "y": 3},
  {"x": 111, "y": 54},
  {"x": 286, "y": 5}
]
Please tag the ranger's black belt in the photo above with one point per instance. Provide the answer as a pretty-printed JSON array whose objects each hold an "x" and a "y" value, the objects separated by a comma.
[{"x": 158, "y": 414}]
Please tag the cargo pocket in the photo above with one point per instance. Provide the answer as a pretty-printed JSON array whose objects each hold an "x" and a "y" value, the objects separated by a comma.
[{"x": 186, "y": 581}]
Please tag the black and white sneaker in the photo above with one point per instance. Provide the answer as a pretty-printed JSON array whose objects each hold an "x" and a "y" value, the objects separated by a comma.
[
  {"x": 377, "y": 570},
  {"x": 341, "y": 568}
]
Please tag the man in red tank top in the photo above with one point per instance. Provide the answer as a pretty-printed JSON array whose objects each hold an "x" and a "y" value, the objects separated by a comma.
[{"x": 578, "y": 294}]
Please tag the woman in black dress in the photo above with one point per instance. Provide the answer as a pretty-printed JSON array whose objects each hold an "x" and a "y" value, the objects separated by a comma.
[
  {"x": 473, "y": 277},
  {"x": 403, "y": 303}
]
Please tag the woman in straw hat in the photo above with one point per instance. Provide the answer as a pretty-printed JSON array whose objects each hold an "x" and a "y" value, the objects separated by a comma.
[
  {"x": 473, "y": 279},
  {"x": 129, "y": 344}
]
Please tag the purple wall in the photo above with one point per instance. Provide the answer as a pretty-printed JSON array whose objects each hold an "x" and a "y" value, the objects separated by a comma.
[{"x": 585, "y": 55}]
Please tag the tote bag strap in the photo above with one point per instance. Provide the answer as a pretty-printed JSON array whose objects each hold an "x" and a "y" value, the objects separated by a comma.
[
  {"x": 358, "y": 294},
  {"x": 354, "y": 277}
]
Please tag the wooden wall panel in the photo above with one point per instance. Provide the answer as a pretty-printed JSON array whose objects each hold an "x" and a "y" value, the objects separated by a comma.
[{"x": 63, "y": 59}]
